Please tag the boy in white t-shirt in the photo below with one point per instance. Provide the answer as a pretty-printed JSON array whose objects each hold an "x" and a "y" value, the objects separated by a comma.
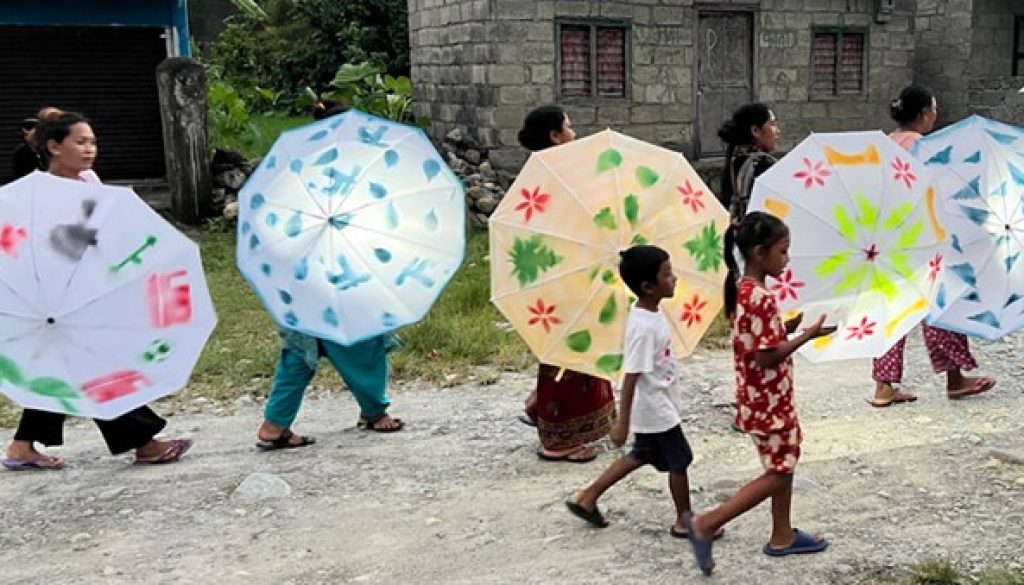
[{"x": 651, "y": 402}]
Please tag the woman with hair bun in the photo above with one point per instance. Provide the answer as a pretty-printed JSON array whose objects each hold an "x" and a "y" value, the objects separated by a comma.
[
  {"x": 570, "y": 409},
  {"x": 750, "y": 135},
  {"x": 915, "y": 110}
]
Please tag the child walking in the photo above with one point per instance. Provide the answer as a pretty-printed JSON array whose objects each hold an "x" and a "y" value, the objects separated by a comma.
[
  {"x": 650, "y": 403},
  {"x": 764, "y": 388}
]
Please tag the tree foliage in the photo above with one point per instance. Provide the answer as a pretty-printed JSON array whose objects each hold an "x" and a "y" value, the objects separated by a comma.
[{"x": 287, "y": 45}]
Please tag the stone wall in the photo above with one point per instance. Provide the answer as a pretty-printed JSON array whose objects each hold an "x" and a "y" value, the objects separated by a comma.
[
  {"x": 450, "y": 54},
  {"x": 481, "y": 65},
  {"x": 964, "y": 50},
  {"x": 992, "y": 90},
  {"x": 784, "y": 50}
]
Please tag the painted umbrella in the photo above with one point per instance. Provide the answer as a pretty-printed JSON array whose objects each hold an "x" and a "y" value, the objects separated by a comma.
[
  {"x": 979, "y": 170},
  {"x": 103, "y": 304},
  {"x": 350, "y": 227},
  {"x": 867, "y": 239},
  {"x": 556, "y": 236}
]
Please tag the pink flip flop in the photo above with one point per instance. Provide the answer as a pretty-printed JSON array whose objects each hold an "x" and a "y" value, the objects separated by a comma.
[
  {"x": 37, "y": 462},
  {"x": 171, "y": 454}
]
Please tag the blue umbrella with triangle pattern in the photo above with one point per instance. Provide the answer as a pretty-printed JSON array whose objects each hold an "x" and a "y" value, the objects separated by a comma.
[
  {"x": 350, "y": 227},
  {"x": 979, "y": 166}
]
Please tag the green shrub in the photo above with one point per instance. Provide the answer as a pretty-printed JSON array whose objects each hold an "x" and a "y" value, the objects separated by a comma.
[{"x": 291, "y": 44}]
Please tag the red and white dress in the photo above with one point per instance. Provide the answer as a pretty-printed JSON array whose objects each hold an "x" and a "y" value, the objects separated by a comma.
[{"x": 764, "y": 396}]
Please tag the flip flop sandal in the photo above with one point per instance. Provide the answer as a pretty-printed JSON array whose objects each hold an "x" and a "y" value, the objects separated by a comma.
[
  {"x": 701, "y": 548},
  {"x": 567, "y": 457},
  {"x": 979, "y": 387},
  {"x": 171, "y": 454},
  {"x": 37, "y": 462},
  {"x": 593, "y": 517},
  {"x": 368, "y": 425},
  {"x": 684, "y": 534},
  {"x": 284, "y": 441},
  {"x": 527, "y": 419},
  {"x": 803, "y": 544}
]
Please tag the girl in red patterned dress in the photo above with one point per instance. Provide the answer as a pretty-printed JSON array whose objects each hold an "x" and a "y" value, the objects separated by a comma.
[{"x": 764, "y": 388}]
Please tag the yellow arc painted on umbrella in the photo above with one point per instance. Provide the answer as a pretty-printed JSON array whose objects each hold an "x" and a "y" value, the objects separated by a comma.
[
  {"x": 868, "y": 157},
  {"x": 940, "y": 234},
  {"x": 919, "y": 305}
]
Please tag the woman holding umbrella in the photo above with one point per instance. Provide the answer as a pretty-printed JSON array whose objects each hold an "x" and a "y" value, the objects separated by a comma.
[
  {"x": 363, "y": 366},
  {"x": 915, "y": 110},
  {"x": 570, "y": 409},
  {"x": 70, "y": 144}
]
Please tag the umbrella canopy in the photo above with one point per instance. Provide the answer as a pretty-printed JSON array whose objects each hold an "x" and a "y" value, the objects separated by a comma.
[
  {"x": 867, "y": 235},
  {"x": 103, "y": 304},
  {"x": 979, "y": 169},
  {"x": 350, "y": 227},
  {"x": 556, "y": 236}
]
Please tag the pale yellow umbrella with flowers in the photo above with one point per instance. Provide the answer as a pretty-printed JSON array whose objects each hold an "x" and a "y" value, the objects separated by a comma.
[{"x": 556, "y": 236}]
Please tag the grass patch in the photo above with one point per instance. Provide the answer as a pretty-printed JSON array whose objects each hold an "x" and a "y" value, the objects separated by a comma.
[
  {"x": 262, "y": 132},
  {"x": 942, "y": 572}
]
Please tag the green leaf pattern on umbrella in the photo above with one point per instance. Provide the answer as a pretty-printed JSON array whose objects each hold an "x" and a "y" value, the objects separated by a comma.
[
  {"x": 871, "y": 274},
  {"x": 706, "y": 249},
  {"x": 48, "y": 387},
  {"x": 531, "y": 257}
]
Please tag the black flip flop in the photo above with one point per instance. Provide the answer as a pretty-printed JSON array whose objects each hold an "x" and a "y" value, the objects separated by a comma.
[
  {"x": 527, "y": 419},
  {"x": 593, "y": 517},
  {"x": 284, "y": 441},
  {"x": 368, "y": 425}
]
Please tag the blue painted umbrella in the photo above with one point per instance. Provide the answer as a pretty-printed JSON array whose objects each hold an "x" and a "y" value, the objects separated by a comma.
[
  {"x": 979, "y": 166},
  {"x": 350, "y": 227}
]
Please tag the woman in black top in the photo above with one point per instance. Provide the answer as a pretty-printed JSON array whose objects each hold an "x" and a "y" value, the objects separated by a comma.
[{"x": 751, "y": 135}]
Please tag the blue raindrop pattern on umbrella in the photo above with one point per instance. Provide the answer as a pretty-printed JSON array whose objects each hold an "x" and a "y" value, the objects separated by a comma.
[{"x": 362, "y": 218}]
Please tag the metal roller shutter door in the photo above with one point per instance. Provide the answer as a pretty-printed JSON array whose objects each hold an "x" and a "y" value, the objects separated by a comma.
[{"x": 107, "y": 73}]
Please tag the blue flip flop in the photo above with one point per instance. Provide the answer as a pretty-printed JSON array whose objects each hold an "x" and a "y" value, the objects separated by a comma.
[
  {"x": 701, "y": 548},
  {"x": 804, "y": 544}
]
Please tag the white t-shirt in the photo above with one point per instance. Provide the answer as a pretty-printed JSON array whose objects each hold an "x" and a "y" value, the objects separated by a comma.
[{"x": 657, "y": 403}]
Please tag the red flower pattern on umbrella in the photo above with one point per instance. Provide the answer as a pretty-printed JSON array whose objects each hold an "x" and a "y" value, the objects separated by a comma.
[
  {"x": 864, "y": 329},
  {"x": 786, "y": 286},
  {"x": 903, "y": 172},
  {"x": 813, "y": 173},
  {"x": 692, "y": 197},
  {"x": 692, "y": 311},
  {"x": 543, "y": 314},
  {"x": 934, "y": 267},
  {"x": 533, "y": 201}
]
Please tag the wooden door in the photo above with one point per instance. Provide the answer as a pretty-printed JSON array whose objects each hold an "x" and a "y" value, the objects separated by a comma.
[{"x": 725, "y": 64}]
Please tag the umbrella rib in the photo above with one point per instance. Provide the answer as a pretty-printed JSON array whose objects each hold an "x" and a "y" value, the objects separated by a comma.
[
  {"x": 402, "y": 195},
  {"x": 127, "y": 282},
  {"x": 577, "y": 317},
  {"x": 305, "y": 189},
  {"x": 378, "y": 159},
  {"x": 543, "y": 281},
  {"x": 541, "y": 232},
  {"x": 19, "y": 296},
  {"x": 396, "y": 236},
  {"x": 21, "y": 334},
  {"x": 551, "y": 172}
]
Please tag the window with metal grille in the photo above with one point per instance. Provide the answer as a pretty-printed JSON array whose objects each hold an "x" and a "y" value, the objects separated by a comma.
[
  {"x": 1018, "y": 46},
  {"x": 592, "y": 60},
  {"x": 838, "y": 62}
]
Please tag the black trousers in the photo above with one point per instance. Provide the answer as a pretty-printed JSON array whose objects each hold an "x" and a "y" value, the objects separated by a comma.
[{"x": 124, "y": 433}]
